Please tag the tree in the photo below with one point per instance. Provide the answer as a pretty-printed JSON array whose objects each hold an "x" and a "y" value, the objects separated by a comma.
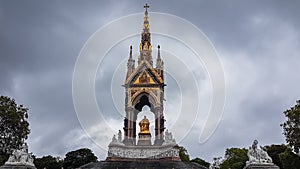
[
  {"x": 3, "y": 158},
  {"x": 216, "y": 163},
  {"x": 201, "y": 162},
  {"x": 274, "y": 151},
  {"x": 292, "y": 127},
  {"x": 14, "y": 127},
  {"x": 48, "y": 162},
  {"x": 78, "y": 158},
  {"x": 183, "y": 154},
  {"x": 235, "y": 158},
  {"x": 289, "y": 159}
]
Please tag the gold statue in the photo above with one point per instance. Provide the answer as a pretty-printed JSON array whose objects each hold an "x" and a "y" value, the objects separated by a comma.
[{"x": 144, "y": 126}]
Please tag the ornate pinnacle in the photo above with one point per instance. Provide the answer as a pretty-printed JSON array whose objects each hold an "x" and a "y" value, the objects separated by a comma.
[
  {"x": 145, "y": 45},
  {"x": 146, "y": 22},
  {"x": 130, "y": 54},
  {"x": 159, "y": 62},
  {"x": 158, "y": 52}
]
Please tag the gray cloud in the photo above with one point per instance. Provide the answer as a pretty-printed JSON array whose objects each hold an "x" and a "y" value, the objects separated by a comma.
[{"x": 258, "y": 43}]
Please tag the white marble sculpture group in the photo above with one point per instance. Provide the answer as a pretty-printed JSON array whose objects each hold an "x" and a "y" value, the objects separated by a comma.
[
  {"x": 169, "y": 138},
  {"x": 21, "y": 157},
  {"x": 258, "y": 155}
]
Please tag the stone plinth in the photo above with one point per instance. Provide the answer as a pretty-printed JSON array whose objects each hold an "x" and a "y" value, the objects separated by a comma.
[
  {"x": 144, "y": 139},
  {"x": 261, "y": 166},
  {"x": 17, "y": 167},
  {"x": 141, "y": 165},
  {"x": 122, "y": 152}
]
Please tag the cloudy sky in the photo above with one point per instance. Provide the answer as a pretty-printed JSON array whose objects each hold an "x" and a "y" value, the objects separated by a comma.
[{"x": 257, "y": 42}]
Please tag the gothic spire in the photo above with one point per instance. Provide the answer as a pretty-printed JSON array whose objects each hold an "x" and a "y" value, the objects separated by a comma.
[
  {"x": 158, "y": 53},
  {"x": 146, "y": 21},
  {"x": 130, "y": 64},
  {"x": 145, "y": 45},
  {"x": 159, "y": 61}
]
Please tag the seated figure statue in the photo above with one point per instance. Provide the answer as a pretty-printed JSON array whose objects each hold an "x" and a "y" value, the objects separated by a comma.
[
  {"x": 258, "y": 156},
  {"x": 144, "y": 126},
  {"x": 169, "y": 138},
  {"x": 115, "y": 140},
  {"x": 120, "y": 136}
]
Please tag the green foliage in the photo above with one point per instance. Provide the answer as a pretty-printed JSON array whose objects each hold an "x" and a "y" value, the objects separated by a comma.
[
  {"x": 183, "y": 154},
  {"x": 274, "y": 151},
  {"x": 48, "y": 162},
  {"x": 3, "y": 158},
  {"x": 289, "y": 159},
  {"x": 78, "y": 158},
  {"x": 235, "y": 158},
  {"x": 292, "y": 127},
  {"x": 201, "y": 162},
  {"x": 14, "y": 127},
  {"x": 237, "y": 165}
]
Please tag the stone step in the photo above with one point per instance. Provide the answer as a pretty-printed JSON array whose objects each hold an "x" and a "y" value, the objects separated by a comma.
[{"x": 141, "y": 165}]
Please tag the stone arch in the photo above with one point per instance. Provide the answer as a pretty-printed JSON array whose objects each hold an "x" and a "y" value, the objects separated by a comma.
[
  {"x": 139, "y": 98},
  {"x": 152, "y": 97},
  {"x": 137, "y": 102}
]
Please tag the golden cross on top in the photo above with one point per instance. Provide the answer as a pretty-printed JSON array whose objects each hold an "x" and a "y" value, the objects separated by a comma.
[{"x": 146, "y": 6}]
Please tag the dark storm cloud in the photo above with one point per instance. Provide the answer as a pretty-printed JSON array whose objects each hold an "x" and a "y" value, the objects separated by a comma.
[
  {"x": 226, "y": 22},
  {"x": 39, "y": 45},
  {"x": 258, "y": 43}
]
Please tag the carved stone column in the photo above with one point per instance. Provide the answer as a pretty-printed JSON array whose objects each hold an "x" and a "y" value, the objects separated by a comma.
[
  {"x": 129, "y": 125},
  {"x": 159, "y": 126}
]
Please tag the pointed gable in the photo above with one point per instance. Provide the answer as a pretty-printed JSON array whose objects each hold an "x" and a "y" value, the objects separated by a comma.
[
  {"x": 144, "y": 74},
  {"x": 145, "y": 78}
]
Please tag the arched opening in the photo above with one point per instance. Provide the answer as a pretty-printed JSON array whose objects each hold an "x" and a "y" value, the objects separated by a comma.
[
  {"x": 144, "y": 103},
  {"x": 146, "y": 111}
]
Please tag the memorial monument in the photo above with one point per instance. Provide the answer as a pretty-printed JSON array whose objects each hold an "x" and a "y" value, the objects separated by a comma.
[
  {"x": 144, "y": 86},
  {"x": 20, "y": 159},
  {"x": 259, "y": 158}
]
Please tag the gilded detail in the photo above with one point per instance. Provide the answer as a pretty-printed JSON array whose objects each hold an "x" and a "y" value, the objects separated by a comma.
[{"x": 144, "y": 126}]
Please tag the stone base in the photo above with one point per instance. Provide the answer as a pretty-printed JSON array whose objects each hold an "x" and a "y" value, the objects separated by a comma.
[
  {"x": 159, "y": 142},
  {"x": 141, "y": 165},
  {"x": 121, "y": 151},
  {"x": 17, "y": 167},
  {"x": 144, "y": 139},
  {"x": 261, "y": 166},
  {"x": 143, "y": 159},
  {"x": 129, "y": 142}
]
